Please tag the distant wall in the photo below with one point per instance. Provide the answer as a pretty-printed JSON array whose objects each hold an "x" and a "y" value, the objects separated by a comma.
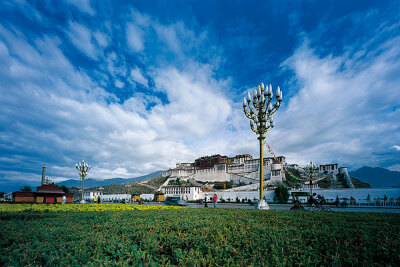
[
  {"x": 216, "y": 174},
  {"x": 147, "y": 196},
  {"x": 359, "y": 194},
  {"x": 268, "y": 194},
  {"x": 115, "y": 196}
]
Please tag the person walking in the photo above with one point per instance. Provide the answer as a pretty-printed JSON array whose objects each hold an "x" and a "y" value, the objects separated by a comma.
[
  {"x": 98, "y": 200},
  {"x": 64, "y": 199},
  {"x": 205, "y": 201},
  {"x": 215, "y": 198}
]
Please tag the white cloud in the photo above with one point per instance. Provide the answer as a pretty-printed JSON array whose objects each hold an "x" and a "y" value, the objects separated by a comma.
[
  {"x": 81, "y": 37},
  {"x": 138, "y": 77},
  {"x": 134, "y": 36},
  {"x": 70, "y": 119},
  {"x": 119, "y": 84},
  {"x": 397, "y": 147},
  {"x": 341, "y": 110},
  {"x": 395, "y": 167},
  {"x": 196, "y": 106},
  {"x": 101, "y": 39},
  {"x": 83, "y": 5},
  {"x": 168, "y": 35}
]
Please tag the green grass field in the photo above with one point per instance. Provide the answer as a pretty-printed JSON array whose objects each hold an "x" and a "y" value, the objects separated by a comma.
[{"x": 198, "y": 237}]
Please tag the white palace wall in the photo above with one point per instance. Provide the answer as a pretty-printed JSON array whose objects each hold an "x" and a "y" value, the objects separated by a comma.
[
  {"x": 359, "y": 194},
  {"x": 268, "y": 194},
  {"x": 216, "y": 174}
]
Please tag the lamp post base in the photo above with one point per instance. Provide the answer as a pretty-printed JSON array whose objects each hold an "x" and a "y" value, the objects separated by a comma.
[{"x": 262, "y": 205}]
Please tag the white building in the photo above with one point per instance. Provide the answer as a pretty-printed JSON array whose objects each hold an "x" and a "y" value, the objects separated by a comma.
[
  {"x": 329, "y": 168},
  {"x": 293, "y": 166},
  {"x": 306, "y": 186},
  {"x": 190, "y": 192},
  {"x": 218, "y": 173},
  {"x": 181, "y": 170},
  {"x": 112, "y": 197},
  {"x": 241, "y": 168},
  {"x": 362, "y": 196},
  {"x": 147, "y": 197},
  {"x": 93, "y": 195}
]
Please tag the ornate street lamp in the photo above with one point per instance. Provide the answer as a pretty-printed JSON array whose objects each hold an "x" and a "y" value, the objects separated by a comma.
[
  {"x": 261, "y": 122},
  {"x": 127, "y": 190},
  {"x": 83, "y": 168},
  {"x": 311, "y": 169}
]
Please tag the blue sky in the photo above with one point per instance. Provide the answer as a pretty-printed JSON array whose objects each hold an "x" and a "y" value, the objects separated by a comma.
[{"x": 137, "y": 86}]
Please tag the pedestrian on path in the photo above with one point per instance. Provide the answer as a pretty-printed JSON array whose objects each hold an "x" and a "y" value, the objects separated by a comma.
[
  {"x": 205, "y": 201},
  {"x": 215, "y": 199}
]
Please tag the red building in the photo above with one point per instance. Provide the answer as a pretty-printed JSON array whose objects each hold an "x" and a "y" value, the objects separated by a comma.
[
  {"x": 210, "y": 161},
  {"x": 48, "y": 193}
]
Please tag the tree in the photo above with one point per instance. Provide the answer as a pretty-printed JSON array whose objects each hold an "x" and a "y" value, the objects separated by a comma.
[
  {"x": 26, "y": 188},
  {"x": 337, "y": 200},
  {"x": 65, "y": 189},
  {"x": 282, "y": 193}
]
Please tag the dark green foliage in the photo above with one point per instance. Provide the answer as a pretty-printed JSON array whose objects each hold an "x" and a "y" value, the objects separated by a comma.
[
  {"x": 191, "y": 237},
  {"x": 358, "y": 184},
  {"x": 26, "y": 188},
  {"x": 290, "y": 181},
  {"x": 282, "y": 193},
  {"x": 325, "y": 183},
  {"x": 65, "y": 189},
  {"x": 156, "y": 182}
]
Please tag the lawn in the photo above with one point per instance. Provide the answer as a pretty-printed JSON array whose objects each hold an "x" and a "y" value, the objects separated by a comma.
[{"x": 119, "y": 235}]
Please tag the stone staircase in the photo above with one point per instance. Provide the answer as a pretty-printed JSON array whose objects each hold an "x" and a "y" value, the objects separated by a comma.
[{"x": 342, "y": 181}]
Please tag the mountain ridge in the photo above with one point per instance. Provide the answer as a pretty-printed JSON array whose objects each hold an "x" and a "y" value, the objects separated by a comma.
[
  {"x": 10, "y": 186},
  {"x": 95, "y": 183},
  {"x": 377, "y": 176}
]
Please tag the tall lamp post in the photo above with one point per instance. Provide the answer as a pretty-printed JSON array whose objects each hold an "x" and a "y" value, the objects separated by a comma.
[
  {"x": 183, "y": 189},
  {"x": 261, "y": 122},
  {"x": 83, "y": 168},
  {"x": 128, "y": 190},
  {"x": 311, "y": 169}
]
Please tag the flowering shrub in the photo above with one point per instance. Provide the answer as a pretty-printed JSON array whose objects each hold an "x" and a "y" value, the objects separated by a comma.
[
  {"x": 195, "y": 237},
  {"x": 80, "y": 207}
]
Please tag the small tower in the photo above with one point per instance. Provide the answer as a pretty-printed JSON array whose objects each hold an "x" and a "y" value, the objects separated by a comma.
[{"x": 44, "y": 175}]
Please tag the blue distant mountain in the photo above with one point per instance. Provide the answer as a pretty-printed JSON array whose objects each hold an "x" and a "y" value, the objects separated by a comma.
[
  {"x": 94, "y": 182},
  {"x": 377, "y": 177},
  {"x": 9, "y": 186}
]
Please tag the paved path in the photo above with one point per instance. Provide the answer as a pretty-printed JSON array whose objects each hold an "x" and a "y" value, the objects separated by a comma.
[{"x": 287, "y": 207}]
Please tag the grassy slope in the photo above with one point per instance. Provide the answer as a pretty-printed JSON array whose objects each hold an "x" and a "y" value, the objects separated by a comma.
[
  {"x": 135, "y": 188},
  {"x": 199, "y": 237}
]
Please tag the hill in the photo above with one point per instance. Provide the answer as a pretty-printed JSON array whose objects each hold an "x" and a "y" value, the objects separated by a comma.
[
  {"x": 377, "y": 177},
  {"x": 11, "y": 186},
  {"x": 113, "y": 181}
]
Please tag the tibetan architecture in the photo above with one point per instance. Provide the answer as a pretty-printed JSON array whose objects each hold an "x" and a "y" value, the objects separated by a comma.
[
  {"x": 48, "y": 193},
  {"x": 238, "y": 169}
]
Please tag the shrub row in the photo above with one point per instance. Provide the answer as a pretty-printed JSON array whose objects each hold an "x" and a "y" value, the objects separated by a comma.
[{"x": 198, "y": 237}]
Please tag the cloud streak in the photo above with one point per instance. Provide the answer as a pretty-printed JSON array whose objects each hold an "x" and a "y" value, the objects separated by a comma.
[{"x": 132, "y": 92}]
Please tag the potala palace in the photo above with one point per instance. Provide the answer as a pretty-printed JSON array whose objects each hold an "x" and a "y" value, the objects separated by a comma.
[
  {"x": 238, "y": 169},
  {"x": 213, "y": 173}
]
